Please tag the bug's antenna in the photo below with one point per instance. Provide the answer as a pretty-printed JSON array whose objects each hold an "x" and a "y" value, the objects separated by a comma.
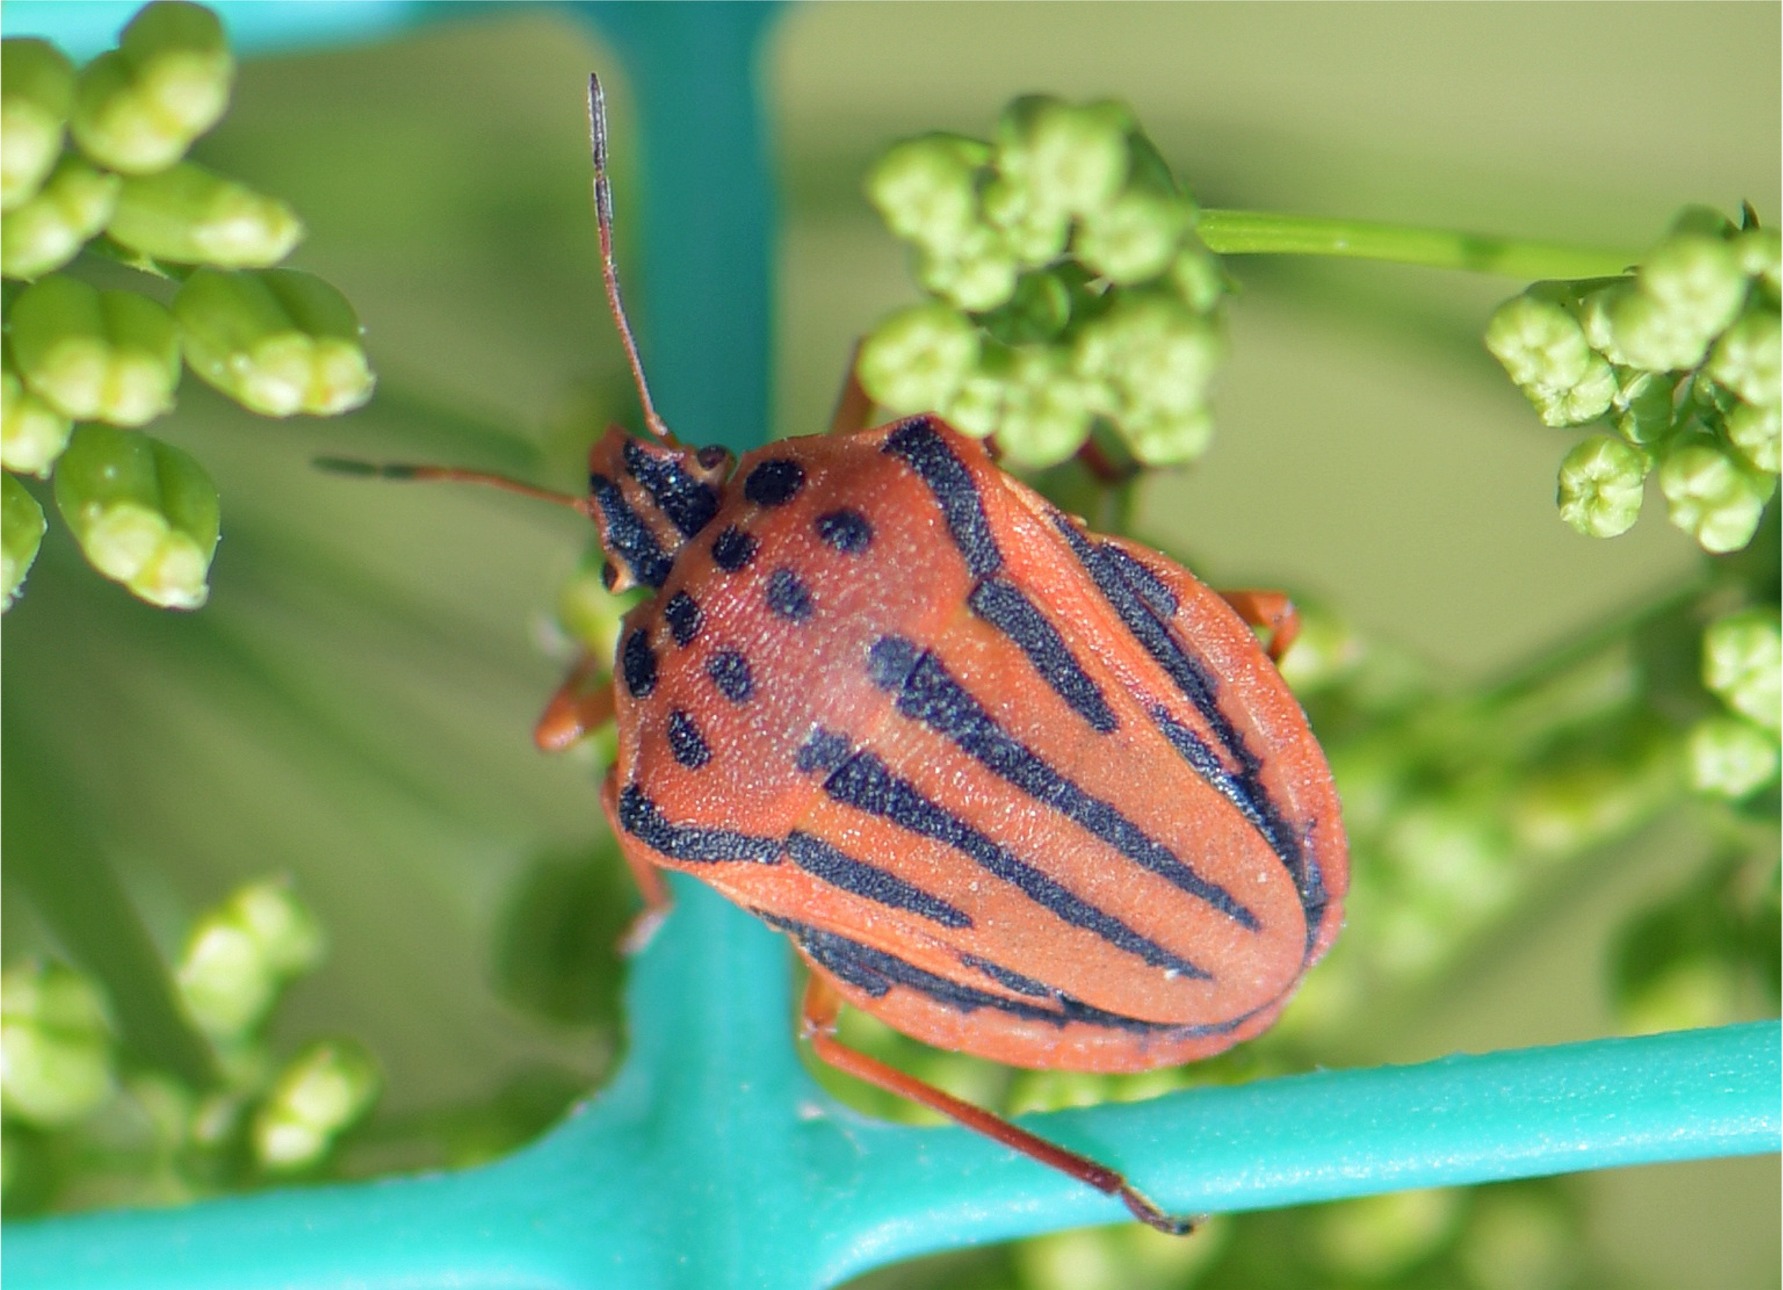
[
  {"x": 402, "y": 470},
  {"x": 603, "y": 214}
]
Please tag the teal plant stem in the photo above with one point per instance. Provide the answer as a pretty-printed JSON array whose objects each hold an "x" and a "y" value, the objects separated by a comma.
[
  {"x": 714, "y": 1161},
  {"x": 1267, "y": 233}
]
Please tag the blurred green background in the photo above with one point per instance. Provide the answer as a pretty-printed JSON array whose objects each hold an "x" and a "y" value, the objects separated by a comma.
[{"x": 354, "y": 705}]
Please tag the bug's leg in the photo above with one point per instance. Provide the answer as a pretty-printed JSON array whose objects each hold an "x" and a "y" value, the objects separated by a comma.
[
  {"x": 1270, "y": 609},
  {"x": 822, "y": 1004},
  {"x": 1102, "y": 469},
  {"x": 854, "y": 406},
  {"x": 575, "y": 709}
]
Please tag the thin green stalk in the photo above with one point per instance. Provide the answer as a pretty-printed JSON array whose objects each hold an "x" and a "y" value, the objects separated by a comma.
[{"x": 1268, "y": 233}]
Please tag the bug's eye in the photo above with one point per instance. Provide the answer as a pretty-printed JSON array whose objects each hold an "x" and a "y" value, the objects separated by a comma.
[{"x": 712, "y": 456}]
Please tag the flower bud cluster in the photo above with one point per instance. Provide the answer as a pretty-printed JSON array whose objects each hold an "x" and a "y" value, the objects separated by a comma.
[
  {"x": 1734, "y": 753},
  {"x": 144, "y": 1134},
  {"x": 1681, "y": 359},
  {"x": 95, "y": 164},
  {"x": 1069, "y": 290}
]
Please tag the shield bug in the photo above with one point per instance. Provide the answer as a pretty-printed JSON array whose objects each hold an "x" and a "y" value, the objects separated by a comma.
[{"x": 1017, "y": 789}]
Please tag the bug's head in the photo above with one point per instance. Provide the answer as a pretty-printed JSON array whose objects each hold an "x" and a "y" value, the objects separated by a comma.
[{"x": 649, "y": 498}]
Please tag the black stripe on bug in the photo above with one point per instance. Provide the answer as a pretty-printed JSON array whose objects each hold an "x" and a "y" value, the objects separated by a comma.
[
  {"x": 927, "y": 692},
  {"x": 922, "y": 448},
  {"x": 864, "y": 782}
]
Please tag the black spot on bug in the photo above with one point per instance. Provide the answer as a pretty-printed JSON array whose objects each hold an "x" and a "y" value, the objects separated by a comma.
[
  {"x": 683, "y": 615},
  {"x": 686, "y": 741},
  {"x": 729, "y": 671},
  {"x": 846, "y": 530},
  {"x": 733, "y": 549},
  {"x": 890, "y": 661},
  {"x": 788, "y": 596},
  {"x": 824, "y": 750},
  {"x": 775, "y": 482},
  {"x": 638, "y": 663}
]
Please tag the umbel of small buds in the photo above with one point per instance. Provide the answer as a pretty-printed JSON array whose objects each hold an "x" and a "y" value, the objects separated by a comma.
[
  {"x": 93, "y": 165},
  {"x": 1680, "y": 358},
  {"x": 1067, "y": 288}
]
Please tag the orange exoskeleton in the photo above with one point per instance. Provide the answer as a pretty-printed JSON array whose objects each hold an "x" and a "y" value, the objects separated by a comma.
[{"x": 1017, "y": 789}]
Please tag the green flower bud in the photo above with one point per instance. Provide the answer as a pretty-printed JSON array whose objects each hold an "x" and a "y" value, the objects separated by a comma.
[
  {"x": 21, "y": 532},
  {"x": 95, "y": 355},
  {"x": 1151, "y": 357},
  {"x": 317, "y": 1097},
  {"x": 976, "y": 408},
  {"x": 1755, "y": 432},
  {"x": 1710, "y": 496},
  {"x": 926, "y": 188},
  {"x": 139, "y": 107},
  {"x": 1594, "y": 312},
  {"x": 1646, "y": 335},
  {"x": 191, "y": 216},
  {"x": 36, "y": 92},
  {"x": 1600, "y": 486},
  {"x": 1199, "y": 278},
  {"x": 1689, "y": 289},
  {"x": 55, "y": 1045},
  {"x": 144, "y": 513},
  {"x": 1167, "y": 438},
  {"x": 32, "y": 433},
  {"x": 1644, "y": 406},
  {"x": 1695, "y": 276},
  {"x": 1046, "y": 416},
  {"x": 978, "y": 275},
  {"x": 289, "y": 937},
  {"x": 1034, "y": 233},
  {"x": 1576, "y": 404},
  {"x": 1760, "y": 253},
  {"x": 1539, "y": 343},
  {"x": 1730, "y": 757},
  {"x": 916, "y": 359},
  {"x": 1135, "y": 237},
  {"x": 1748, "y": 359},
  {"x": 49, "y": 229},
  {"x": 1743, "y": 663},
  {"x": 225, "y": 981},
  {"x": 278, "y": 342},
  {"x": 1074, "y": 158}
]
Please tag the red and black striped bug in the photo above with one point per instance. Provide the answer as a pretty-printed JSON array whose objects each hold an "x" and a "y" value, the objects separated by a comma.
[{"x": 1017, "y": 789}]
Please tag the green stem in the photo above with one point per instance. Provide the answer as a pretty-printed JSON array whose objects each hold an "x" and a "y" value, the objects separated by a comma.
[{"x": 1268, "y": 233}]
